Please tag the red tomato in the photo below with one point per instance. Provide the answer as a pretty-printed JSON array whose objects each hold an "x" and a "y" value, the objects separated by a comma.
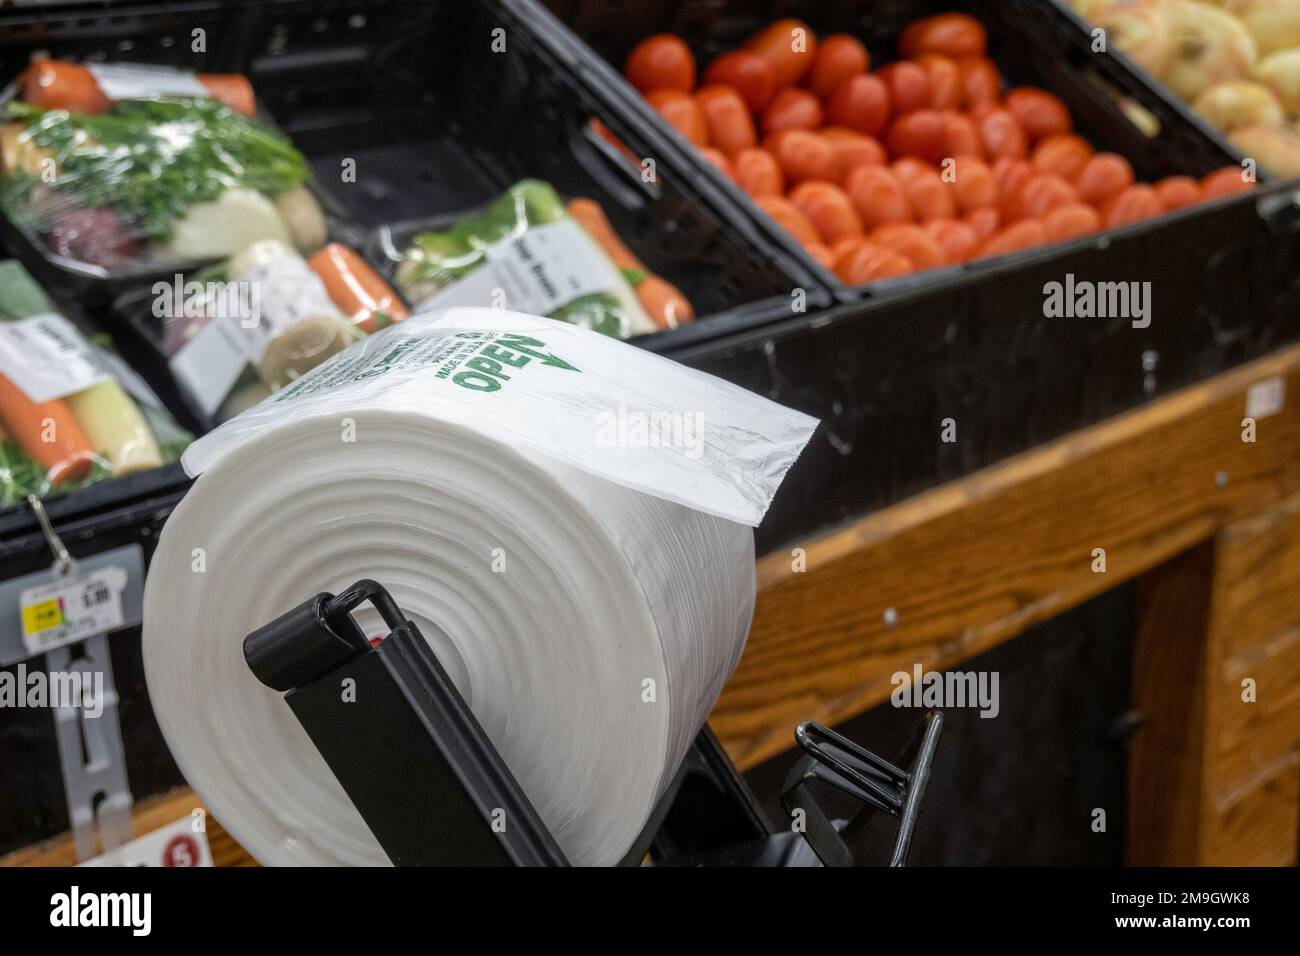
[
  {"x": 1025, "y": 234},
  {"x": 1133, "y": 204},
  {"x": 822, "y": 253},
  {"x": 1175, "y": 192},
  {"x": 839, "y": 58},
  {"x": 828, "y": 208},
  {"x": 952, "y": 34},
  {"x": 749, "y": 74},
  {"x": 1104, "y": 176},
  {"x": 1010, "y": 174},
  {"x": 661, "y": 62},
  {"x": 878, "y": 195},
  {"x": 1040, "y": 195},
  {"x": 985, "y": 221},
  {"x": 730, "y": 127},
  {"x": 1002, "y": 136},
  {"x": 789, "y": 219},
  {"x": 1070, "y": 222},
  {"x": 860, "y": 103},
  {"x": 912, "y": 241},
  {"x": 1225, "y": 182},
  {"x": 929, "y": 195},
  {"x": 758, "y": 173},
  {"x": 869, "y": 262},
  {"x": 918, "y": 134},
  {"x": 803, "y": 156},
  {"x": 958, "y": 239},
  {"x": 789, "y": 45},
  {"x": 980, "y": 81},
  {"x": 682, "y": 113},
  {"x": 961, "y": 137},
  {"x": 718, "y": 158},
  {"x": 853, "y": 149},
  {"x": 792, "y": 109},
  {"x": 1039, "y": 113},
  {"x": 909, "y": 86},
  {"x": 909, "y": 166},
  {"x": 974, "y": 184},
  {"x": 945, "y": 80},
  {"x": 1064, "y": 154}
]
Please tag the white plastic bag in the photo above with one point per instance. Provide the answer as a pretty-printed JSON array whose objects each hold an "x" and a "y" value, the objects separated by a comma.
[
  {"x": 568, "y": 577},
  {"x": 619, "y": 412}
]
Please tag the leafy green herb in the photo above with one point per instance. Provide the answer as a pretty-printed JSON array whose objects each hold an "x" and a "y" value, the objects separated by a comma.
[{"x": 149, "y": 160}]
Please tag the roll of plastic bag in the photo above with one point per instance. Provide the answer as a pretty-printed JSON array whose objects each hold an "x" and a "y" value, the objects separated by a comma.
[{"x": 564, "y": 516}]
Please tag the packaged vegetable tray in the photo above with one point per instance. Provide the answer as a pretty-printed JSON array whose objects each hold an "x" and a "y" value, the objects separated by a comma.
[
  {"x": 528, "y": 251},
  {"x": 114, "y": 170},
  {"x": 71, "y": 412},
  {"x": 234, "y": 333}
]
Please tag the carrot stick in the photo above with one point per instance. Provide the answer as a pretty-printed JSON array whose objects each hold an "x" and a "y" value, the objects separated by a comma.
[
  {"x": 50, "y": 84},
  {"x": 68, "y": 456},
  {"x": 662, "y": 300},
  {"x": 233, "y": 89},
  {"x": 355, "y": 288}
]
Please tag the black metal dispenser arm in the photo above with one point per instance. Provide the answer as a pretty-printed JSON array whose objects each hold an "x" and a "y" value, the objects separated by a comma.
[
  {"x": 840, "y": 763},
  {"x": 398, "y": 736},
  {"x": 434, "y": 791}
]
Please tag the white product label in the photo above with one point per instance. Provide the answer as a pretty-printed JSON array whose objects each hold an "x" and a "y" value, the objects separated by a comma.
[
  {"x": 47, "y": 358},
  {"x": 538, "y": 272},
  {"x": 1266, "y": 398},
  {"x": 72, "y": 608},
  {"x": 210, "y": 363},
  {"x": 139, "y": 81},
  {"x": 176, "y": 844},
  {"x": 283, "y": 292}
]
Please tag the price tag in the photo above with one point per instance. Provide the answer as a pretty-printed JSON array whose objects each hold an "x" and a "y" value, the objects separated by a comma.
[
  {"x": 102, "y": 592},
  {"x": 1266, "y": 398},
  {"x": 72, "y": 608},
  {"x": 176, "y": 844}
]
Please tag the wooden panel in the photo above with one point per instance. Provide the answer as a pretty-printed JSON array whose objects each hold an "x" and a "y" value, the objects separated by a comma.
[
  {"x": 1166, "y": 755},
  {"x": 1260, "y": 570},
  {"x": 1260, "y": 828},
  {"x": 973, "y": 563},
  {"x": 1253, "y": 739},
  {"x": 149, "y": 815},
  {"x": 966, "y": 566}
]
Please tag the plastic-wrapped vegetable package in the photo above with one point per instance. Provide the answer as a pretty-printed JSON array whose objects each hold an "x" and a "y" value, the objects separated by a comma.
[
  {"x": 529, "y": 252},
  {"x": 166, "y": 167},
  {"x": 239, "y": 331},
  {"x": 70, "y": 412}
]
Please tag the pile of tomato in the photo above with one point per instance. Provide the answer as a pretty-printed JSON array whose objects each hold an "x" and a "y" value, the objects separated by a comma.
[{"x": 924, "y": 162}]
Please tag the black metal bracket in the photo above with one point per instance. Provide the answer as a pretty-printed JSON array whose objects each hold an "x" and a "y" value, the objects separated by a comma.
[
  {"x": 395, "y": 732},
  {"x": 838, "y": 762}
]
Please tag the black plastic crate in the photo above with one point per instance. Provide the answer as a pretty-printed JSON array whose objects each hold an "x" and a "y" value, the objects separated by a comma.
[
  {"x": 1033, "y": 42},
  {"x": 971, "y": 342},
  {"x": 883, "y": 375},
  {"x": 153, "y": 33},
  {"x": 439, "y": 124}
]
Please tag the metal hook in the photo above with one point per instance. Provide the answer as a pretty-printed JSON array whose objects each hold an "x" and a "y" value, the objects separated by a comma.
[{"x": 61, "y": 555}]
